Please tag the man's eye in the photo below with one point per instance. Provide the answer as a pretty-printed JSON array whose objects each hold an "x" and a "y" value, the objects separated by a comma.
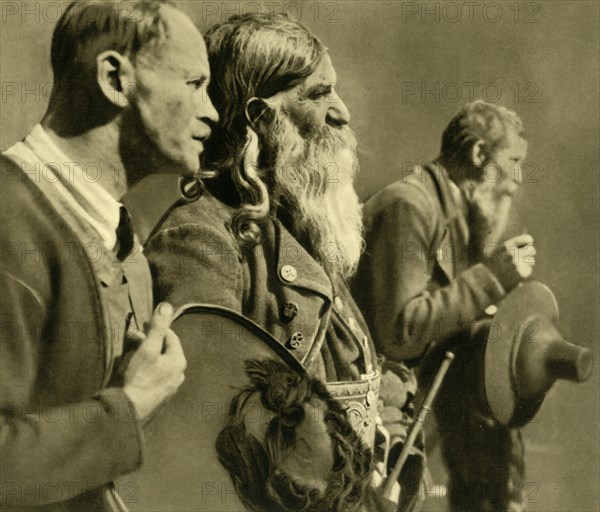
[
  {"x": 196, "y": 84},
  {"x": 324, "y": 92}
]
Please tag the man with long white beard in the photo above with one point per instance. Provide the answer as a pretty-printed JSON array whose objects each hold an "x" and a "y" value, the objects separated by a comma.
[
  {"x": 436, "y": 263},
  {"x": 278, "y": 230}
]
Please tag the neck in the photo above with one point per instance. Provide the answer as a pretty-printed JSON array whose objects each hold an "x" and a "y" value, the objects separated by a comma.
[{"x": 96, "y": 151}]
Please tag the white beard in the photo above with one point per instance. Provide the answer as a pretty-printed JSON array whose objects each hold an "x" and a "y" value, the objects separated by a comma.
[
  {"x": 489, "y": 211},
  {"x": 314, "y": 179}
]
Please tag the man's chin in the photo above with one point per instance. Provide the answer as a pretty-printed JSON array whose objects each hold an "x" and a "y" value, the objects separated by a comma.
[
  {"x": 188, "y": 167},
  {"x": 510, "y": 190}
]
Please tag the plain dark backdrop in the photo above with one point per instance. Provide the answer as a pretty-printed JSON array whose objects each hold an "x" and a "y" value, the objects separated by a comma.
[{"x": 404, "y": 69}]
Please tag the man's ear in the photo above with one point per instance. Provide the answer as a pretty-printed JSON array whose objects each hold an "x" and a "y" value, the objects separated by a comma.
[
  {"x": 115, "y": 74},
  {"x": 479, "y": 153},
  {"x": 259, "y": 114}
]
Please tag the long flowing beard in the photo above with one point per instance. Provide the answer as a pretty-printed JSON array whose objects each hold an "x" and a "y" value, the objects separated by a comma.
[
  {"x": 314, "y": 179},
  {"x": 488, "y": 215}
]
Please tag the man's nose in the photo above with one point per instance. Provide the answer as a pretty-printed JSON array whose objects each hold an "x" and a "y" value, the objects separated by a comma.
[
  {"x": 207, "y": 111},
  {"x": 338, "y": 114}
]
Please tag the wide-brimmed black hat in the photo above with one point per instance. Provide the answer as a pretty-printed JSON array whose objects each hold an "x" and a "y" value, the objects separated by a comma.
[
  {"x": 525, "y": 354},
  {"x": 181, "y": 470}
]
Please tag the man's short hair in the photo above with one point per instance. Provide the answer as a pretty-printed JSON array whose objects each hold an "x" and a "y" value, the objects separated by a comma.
[
  {"x": 255, "y": 468},
  {"x": 478, "y": 120},
  {"x": 89, "y": 27}
]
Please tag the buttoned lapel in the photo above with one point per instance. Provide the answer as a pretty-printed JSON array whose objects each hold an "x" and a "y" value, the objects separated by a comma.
[
  {"x": 305, "y": 281},
  {"x": 297, "y": 268}
]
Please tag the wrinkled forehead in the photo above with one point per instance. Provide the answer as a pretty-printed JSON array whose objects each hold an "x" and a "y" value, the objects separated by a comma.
[
  {"x": 513, "y": 142},
  {"x": 324, "y": 74}
]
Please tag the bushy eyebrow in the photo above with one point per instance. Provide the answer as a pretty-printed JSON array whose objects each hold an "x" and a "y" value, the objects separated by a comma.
[{"x": 318, "y": 90}]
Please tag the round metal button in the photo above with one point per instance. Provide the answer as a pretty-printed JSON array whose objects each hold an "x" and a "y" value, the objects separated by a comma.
[
  {"x": 491, "y": 310},
  {"x": 289, "y": 310},
  {"x": 296, "y": 340},
  {"x": 288, "y": 273},
  {"x": 351, "y": 322},
  {"x": 338, "y": 302}
]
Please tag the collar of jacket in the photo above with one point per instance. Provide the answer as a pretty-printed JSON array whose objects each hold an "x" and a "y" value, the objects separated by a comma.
[
  {"x": 456, "y": 230},
  {"x": 443, "y": 185},
  {"x": 309, "y": 274}
]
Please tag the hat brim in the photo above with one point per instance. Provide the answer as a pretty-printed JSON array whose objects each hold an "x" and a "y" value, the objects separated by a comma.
[
  {"x": 181, "y": 470},
  {"x": 514, "y": 319}
]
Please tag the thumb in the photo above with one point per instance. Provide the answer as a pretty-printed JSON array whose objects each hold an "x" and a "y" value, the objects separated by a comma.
[{"x": 158, "y": 326}]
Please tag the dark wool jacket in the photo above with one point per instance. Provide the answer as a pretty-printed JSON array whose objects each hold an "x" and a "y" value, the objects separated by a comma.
[
  {"x": 194, "y": 258},
  {"x": 64, "y": 433},
  {"x": 415, "y": 285}
]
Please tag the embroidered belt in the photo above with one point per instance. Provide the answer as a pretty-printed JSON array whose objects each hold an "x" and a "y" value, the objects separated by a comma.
[{"x": 359, "y": 398}]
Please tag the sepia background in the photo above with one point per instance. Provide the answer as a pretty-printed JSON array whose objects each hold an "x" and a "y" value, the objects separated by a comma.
[{"x": 404, "y": 69}]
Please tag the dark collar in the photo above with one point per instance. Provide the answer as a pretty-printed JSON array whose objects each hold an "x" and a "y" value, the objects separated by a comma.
[
  {"x": 453, "y": 208},
  {"x": 443, "y": 185}
]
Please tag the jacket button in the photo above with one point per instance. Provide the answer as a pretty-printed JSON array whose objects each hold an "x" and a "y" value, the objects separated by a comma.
[
  {"x": 351, "y": 322},
  {"x": 289, "y": 310},
  {"x": 288, "y": 273},
  {"x": 296, "y": 340},
  {"x": 491, "y": 310},
  {"x": 338, "y": 302}
]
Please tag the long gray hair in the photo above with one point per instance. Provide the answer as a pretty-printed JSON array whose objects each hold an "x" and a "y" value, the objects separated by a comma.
[{"x": 254, "y": 55}]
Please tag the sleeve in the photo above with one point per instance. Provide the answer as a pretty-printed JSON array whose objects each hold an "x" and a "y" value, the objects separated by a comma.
[
  {"x": 195, "y": 263},
  {"x": 64, "y": 450},
  {"x": 409, "y": 313}
]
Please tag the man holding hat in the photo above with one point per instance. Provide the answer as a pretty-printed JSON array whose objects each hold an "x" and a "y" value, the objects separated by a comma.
[
  {"x": 279, "y": 229},
  {"x": 249, "y": 430},
  {"x": 84, "y": 362},
  {"x": 435, "y": 263}
]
